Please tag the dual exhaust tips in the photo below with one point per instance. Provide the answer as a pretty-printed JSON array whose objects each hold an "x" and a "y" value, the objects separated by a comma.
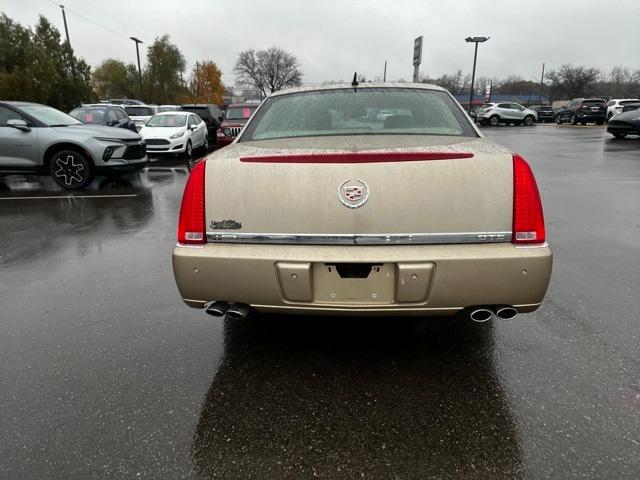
[
  {"x": 481, "y": 315},
  {"x": 237, "y": 311}
]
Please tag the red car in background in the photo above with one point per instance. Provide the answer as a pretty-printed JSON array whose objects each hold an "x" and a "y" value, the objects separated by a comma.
[{"x": 235, "y": 118}]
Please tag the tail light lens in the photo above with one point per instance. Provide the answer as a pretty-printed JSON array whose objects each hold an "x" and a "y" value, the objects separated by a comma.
[
  {"x": 191, "y": 228},
  {"x": 528, "y": 220}
]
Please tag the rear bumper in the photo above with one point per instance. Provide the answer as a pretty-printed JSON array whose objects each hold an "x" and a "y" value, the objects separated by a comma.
[
  {"x": 447, "y": 278},
  {"x": 591, "y": 117}
]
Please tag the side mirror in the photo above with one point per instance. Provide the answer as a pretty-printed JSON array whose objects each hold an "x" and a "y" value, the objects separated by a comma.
[
  {"x": 193, "y": 127},
  {"x": 18, "y": 124}
]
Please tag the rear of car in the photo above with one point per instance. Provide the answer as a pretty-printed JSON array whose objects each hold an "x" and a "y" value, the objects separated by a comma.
[
  {"x": 583, "y": 111},
  {"x": 324, "y": 206},
  {"x": 140, "y": 114},
  {"x": 545, "y": 113},
  {"x": 235, "y": 118},
  {"x": 209, "y": 113},
  {"x": 616, "y": 106}
]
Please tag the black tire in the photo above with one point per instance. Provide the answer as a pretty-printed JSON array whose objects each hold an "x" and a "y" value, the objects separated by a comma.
[
  {"x": 188, "y": 150},
  {"x": 528, "y": 120},
  {"x": 71, "y": 169},
  {"x": 574, "y": 119},
  {"x": 494, "y": 120},
  {"x": 619, "y": 135},
  {"x": 558, "y": 120},
  {"x": 600, "y": 122},
  {"x": 205, "y": 145},
  {"x": 609, "y": 117}
]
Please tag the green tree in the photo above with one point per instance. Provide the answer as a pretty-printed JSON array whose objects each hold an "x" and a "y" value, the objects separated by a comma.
[
  {"x": 163, "y": 75},
  {"x": 36, "y": 66},
  {"x": 114, "y": 78}
]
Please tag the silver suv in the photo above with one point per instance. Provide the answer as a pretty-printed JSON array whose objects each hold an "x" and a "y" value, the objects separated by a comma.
[
  {"x": 495, "y": 113},
  {"x": 36, "y": 138}
]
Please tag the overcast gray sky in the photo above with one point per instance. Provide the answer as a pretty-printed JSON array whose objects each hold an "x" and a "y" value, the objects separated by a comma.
[{"x": 334, "y": 38}]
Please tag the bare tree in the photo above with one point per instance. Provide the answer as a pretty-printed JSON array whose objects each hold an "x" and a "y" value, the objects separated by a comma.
[
  {"x": 267, "y": 70},
  {"x": 572, "y": 81}
]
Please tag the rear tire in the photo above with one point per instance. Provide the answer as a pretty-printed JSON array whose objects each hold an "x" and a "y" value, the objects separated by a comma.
[
  {"x": 494, "y": 120},
  {"x": 188, "y": 150},
  {"x": 528, "y": 120},
  {"x": 600, "y": 122},
  {"x": 620, "y": 135},
  {"x": 71, "y": 169},
  {"x": 205, "y": 144},
  {"x": 574, "y": 119},
  {"x": 558, "y": 120}
]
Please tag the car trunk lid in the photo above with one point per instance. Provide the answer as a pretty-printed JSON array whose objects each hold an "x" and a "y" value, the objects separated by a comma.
[{"x": 437, "y": 190}]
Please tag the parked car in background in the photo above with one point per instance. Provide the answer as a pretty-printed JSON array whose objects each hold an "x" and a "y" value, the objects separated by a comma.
[
  {"x": 495, "y": 113},
  {"x": 39, "y": 139},
  {"x": 169, "y": 108},
  {"x": 140, "y": 114},
  {"x": 235, "y": 117},
  {"x": 104, "y": 114},
  {"x": 583, "y": 111},
  {"x": 546, "y": 114},
  {"x": 615, "y": 106},
  {"x": 301, "y": 214},
  {"x": 175, "y": 132},
  {"x": 625, "y": 123},
  {"x": 210, "y": 113},
  {"x": 125, "y": 101}
]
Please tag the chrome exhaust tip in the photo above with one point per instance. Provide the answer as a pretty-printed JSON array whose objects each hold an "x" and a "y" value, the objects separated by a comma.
[
  {"x": 507, "y": 313},
  {"x": 481, "y": 315},
  {"x": 238, "y": 311},
  {"x": 217, "y": 309}
]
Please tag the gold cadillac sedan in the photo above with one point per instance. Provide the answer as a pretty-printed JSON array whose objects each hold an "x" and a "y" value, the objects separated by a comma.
[{"x": 371, "y": 199}]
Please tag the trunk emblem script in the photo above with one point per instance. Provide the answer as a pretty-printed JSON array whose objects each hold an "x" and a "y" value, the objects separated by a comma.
[{"x": 353, "y": 193}]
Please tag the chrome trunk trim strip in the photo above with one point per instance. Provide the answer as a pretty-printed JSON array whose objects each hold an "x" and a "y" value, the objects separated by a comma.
[{"x": 361, "y": 239}]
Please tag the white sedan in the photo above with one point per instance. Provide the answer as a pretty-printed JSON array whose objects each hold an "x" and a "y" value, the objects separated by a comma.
[{"x": 175, "y": 132}]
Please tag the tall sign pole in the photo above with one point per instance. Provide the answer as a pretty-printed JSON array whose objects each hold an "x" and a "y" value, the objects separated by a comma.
[
  {"x": 138, "y": 41},
  {"x": 417, "y": 58},
  {"x": 541, "y": 84}
]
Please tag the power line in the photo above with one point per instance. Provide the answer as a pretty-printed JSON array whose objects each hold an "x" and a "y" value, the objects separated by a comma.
[
  {"x": 91, "y": 21},
  {"x": 132, "y": 29}
]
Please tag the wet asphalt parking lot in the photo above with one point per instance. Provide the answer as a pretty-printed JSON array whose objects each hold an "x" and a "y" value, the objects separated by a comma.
[{"x": 105, "y": 373}]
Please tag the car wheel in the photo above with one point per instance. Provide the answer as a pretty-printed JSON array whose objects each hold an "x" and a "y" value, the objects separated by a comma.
[
  {"x": 528, "y": 120},
  {"x": 619, "y": 135},
  {"x": 600, "y": 122},
  {"x": 71, "y": 169},
  {"x": 609, "y": 117},
  {"x": 559, "y": 120},
  {"x": 574, "y": 119},
  {"x": 205, "y": 144},
  {"x": 494, "y": 120},
  {"x": 189, "y": 149}
]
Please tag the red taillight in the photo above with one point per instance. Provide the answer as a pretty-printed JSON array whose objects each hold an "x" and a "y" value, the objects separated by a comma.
[
  {"x": 528, "y": 221},
  {"x": 191, "y": 223}
]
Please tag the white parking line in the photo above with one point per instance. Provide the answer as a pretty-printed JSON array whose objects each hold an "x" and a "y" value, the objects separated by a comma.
[{"x": 51, "y": 197}]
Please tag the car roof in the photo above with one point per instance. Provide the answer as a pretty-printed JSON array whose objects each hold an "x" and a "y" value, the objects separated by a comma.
[
  {"x": 191, "y": 105},
  {"x": 173, "y": 113},
  {"x": 19, "y": 104},
  {"x": 363, "y": 85},
  {"x": 249, "y": 105}
]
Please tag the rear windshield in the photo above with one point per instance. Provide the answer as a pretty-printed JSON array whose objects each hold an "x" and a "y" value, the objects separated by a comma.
[
  {"x": 167, "y": 121},
  {"x": 89, "y": 115},
  {"x": 628, "y": 102},
  {"x": 169, "y": 108},
  {"x": 202, "y": 111},
  {"x": 239, "y": 113},
  {"x": 544, "y": 109},
  {"x": 593, "y": 102},
  {"x": 366, "y": 111},
  {"x": 139, "y": 111}
]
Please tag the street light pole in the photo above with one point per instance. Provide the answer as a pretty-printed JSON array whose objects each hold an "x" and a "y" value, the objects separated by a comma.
[
  {"x": 541, "y": 84},
  {"x": 138, "y": 55},
  {"x": 64, "y": 19},
  {"x": 475, "y": 40}
]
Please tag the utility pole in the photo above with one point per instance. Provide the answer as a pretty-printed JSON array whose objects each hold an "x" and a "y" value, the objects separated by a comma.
[
  {"x": 475, "y": 40},
  {"x": 66, "y": 29},
  {"x": 541, "y": 84},
  {"x": 138, "y": 55},
  {"x": 384, "y": 77}
]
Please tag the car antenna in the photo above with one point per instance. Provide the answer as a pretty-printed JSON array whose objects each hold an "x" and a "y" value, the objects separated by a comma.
[{"x": 354, "y": 83}]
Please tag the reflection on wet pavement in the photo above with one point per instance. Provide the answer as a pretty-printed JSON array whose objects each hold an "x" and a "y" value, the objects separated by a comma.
[{"x": 371, "y": 398}]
